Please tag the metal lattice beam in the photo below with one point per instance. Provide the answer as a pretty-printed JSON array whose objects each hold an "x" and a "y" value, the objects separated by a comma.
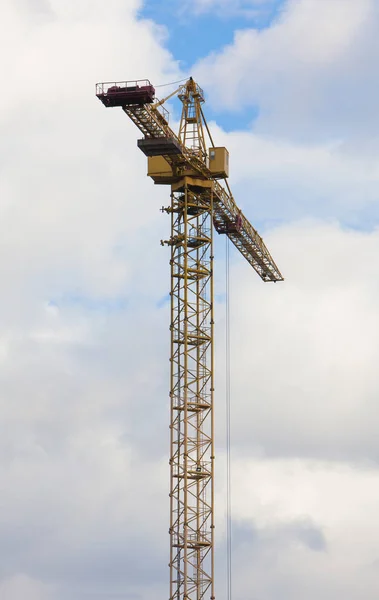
[{"x": 192, "y": 457}]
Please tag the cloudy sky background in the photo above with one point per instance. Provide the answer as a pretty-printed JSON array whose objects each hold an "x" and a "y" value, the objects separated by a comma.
[{"x": 292, "y": 92}]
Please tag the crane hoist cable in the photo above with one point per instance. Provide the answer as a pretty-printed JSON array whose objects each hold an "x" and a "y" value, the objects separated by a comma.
[{"x": 228, "y": 423}]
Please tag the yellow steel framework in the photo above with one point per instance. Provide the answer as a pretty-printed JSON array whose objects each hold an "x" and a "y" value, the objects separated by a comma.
[
  {"x": 199, "y": 204},
  {"x": 191, "y": 457}
]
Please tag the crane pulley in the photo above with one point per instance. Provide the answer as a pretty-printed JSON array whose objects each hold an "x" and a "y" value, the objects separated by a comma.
[{"x": 199, "y": 205}]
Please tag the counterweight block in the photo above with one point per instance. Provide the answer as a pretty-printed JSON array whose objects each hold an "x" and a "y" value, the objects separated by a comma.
[
  {"x": 161, "y": 146},
  {"x": 125, "y": 93}
]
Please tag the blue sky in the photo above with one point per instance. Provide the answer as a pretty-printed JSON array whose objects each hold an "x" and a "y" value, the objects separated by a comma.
[{"x": 192, "y": 35}]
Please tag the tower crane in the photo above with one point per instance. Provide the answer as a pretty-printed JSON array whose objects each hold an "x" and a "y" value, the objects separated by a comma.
[{"x": 201, "y": 202}]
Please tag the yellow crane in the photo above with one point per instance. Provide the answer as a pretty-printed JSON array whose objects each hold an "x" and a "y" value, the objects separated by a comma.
[{"x": 199, "y": 204}]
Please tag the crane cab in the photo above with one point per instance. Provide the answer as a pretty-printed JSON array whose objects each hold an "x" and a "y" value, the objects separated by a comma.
[{"x": 218, "y": 162}]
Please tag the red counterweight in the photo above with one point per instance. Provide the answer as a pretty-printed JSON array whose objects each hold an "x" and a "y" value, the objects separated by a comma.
[{"x": 126, "y": 93}]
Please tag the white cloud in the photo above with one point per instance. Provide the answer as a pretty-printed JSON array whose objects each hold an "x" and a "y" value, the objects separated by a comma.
[
  {"x": 279, "y": 180},
  {"x": 83, "y": 388},
  {"x": 20, "y": 586},
  {"x": 304, "y": 417},
  {"x": 311, "y": 73},
  {"x": 303, "y": 352},
  {"x": 342, "y": 505},
  {"x": 78, "y": 224}
]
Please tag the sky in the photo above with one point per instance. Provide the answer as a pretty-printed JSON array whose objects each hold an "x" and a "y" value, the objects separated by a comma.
[{"x": 292, "y": 92}]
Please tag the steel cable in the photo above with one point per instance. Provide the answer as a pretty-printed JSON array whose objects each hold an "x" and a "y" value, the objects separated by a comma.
[
  {"x": 171, "y": 83},
  {"x": 228, "y": 445}
]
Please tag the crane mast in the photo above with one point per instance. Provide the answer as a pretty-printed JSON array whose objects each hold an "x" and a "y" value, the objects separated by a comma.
[
  {"x": 192, "y": 455},
  {"x": 199, "y": 205},
  {"x": 191, "y": 394}
]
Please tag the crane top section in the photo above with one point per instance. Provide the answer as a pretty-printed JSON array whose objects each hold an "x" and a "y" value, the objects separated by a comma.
[
  {"x": 191, "y": 92},
  {"x": 141, "y": 91},
  {"x": 172, "y": 157}
]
